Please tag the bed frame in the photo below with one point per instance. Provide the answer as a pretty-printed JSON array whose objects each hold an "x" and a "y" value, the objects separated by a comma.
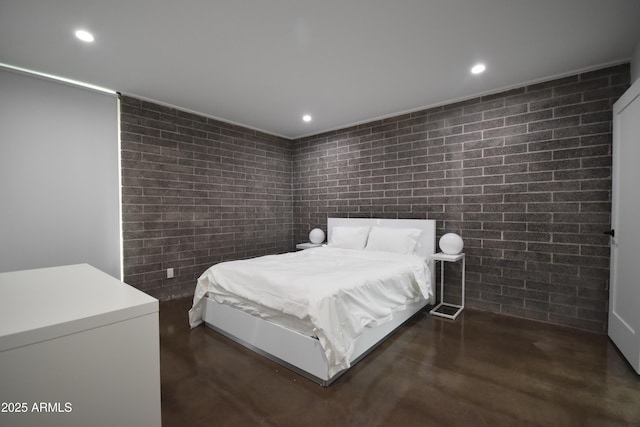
[{"x": 303, "y": 354}]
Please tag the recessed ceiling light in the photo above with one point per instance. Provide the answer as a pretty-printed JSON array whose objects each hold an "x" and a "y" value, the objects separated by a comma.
[
  {"x": 478, "y": 68},
  {"x": 306, "y": 118},
  {"x": 85, "y": 36}
]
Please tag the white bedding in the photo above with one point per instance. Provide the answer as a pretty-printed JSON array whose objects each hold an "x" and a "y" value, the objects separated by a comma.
[{"x": 339, "y": 291}]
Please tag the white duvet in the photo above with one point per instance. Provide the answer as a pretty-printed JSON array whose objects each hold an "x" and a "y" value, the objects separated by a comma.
[{"x": 339, "y": 291}]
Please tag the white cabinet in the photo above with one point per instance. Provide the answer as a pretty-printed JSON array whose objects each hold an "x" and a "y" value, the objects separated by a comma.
[{"x": 77, "y": 348}]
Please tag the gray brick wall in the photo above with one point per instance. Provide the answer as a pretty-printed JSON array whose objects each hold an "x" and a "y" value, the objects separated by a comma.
[
  {"x": 197, "y": 191},
  {"x": 524, "y": 176}
]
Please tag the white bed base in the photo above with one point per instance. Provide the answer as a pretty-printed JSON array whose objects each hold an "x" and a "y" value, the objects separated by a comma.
[
  {"x": 304, "y": 354},
  {"x": 293, "y": 350}
]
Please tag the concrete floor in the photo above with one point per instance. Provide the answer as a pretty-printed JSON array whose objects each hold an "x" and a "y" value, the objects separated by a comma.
[{"x": 480, "y": 370}]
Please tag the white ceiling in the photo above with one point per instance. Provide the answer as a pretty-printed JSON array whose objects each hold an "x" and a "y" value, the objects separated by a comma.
[{"x": 265, "y": 63}]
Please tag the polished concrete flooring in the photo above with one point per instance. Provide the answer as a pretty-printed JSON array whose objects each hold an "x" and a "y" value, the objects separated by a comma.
[{"x": 480, "y": 370}]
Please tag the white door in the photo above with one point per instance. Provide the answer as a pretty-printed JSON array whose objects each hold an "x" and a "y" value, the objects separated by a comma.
[{"x": 624, "y": 292}]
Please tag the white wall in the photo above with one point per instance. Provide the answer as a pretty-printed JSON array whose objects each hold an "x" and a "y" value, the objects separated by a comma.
[
  {"x": 635, "y": 63},
  {"x": 59, "y": 175}
]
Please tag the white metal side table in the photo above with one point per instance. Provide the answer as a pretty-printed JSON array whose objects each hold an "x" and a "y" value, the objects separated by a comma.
[
  {"x": 443, "y": 309},
  {"x": 309, "y": 245}
]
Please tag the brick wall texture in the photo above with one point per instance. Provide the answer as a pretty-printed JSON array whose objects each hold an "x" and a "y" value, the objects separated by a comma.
[
  {"x": 197, "y": 191},
  {"x": 524, "y": 176}
]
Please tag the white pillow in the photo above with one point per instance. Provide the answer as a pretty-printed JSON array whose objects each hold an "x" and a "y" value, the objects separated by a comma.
[
  {"x": 397, "y": 240},
  {"x": 349, "y": 237}
]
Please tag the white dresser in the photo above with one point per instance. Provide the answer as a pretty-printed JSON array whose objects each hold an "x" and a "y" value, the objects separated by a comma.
[{"x": 77, "y": 348}]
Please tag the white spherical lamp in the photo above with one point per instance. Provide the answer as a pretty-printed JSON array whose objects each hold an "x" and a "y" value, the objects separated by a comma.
[
  {"x": 451, "y": 244},
  {"x": 316, "y": 236}
]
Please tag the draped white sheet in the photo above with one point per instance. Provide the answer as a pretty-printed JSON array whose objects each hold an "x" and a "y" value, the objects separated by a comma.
[{"x": 339, "y": 291}]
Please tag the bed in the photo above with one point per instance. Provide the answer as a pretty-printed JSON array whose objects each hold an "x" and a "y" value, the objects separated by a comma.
[{"x": 321, "y": 310}]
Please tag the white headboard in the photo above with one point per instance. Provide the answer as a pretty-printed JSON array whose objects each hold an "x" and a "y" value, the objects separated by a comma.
[{"x": 426, "y": 244}]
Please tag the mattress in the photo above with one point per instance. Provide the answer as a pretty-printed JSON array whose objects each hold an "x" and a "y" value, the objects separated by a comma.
[
  {"x": 331, "y": 293},
  {"x": 301, "y": 326}
]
